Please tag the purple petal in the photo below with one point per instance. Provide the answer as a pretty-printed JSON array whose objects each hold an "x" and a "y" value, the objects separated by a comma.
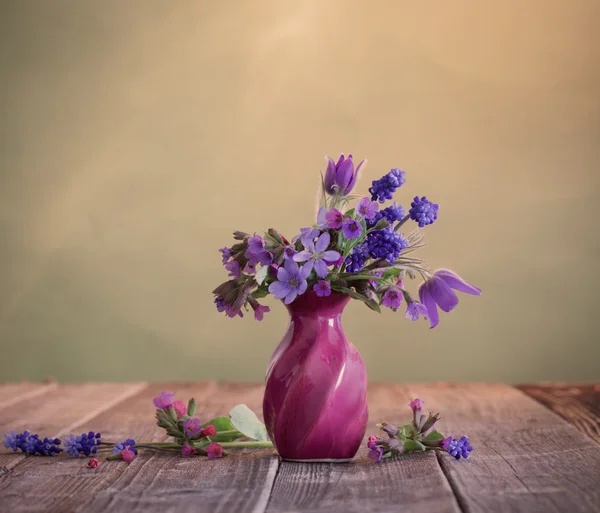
[
  {"x": 321, "y": 268},
  {"x": 456, "y": 282},
  {"x": 290, "y": 297},
  {"x": 306, "y": 269},
  {"x": 355, "y": 176},
  {"x": 344, "y": 174},
  {"x": 323, "y": 242},
  {"x": 429, "y": 303},
  {"x": 321, "y": 220},
  {"x": 329, "y": 179},
  {"x": 331, "y": 256},
  {"x": 283, "y": 275},
  {"x": 302, "y": 286},
  {"x": 279, "y": 289},
  {"x": 291, "y": 266},
  {"x": 303, "y": 256},
  {"x": 308, "y": 243},
  {"x": 443, "y": 295}
]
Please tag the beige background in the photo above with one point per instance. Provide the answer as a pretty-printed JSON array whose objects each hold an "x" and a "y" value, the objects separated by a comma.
[{"x": 136, "y": 135}]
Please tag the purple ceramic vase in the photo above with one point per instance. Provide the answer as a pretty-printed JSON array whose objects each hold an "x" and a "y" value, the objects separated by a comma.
[{"x": 315, "y": 404}]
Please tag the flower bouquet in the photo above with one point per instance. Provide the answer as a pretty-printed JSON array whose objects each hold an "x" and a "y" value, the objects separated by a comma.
[{"x": 316, "y": 379}]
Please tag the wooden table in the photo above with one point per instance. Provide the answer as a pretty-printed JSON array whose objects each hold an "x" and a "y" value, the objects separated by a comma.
[{"x": 537, "y": 449}]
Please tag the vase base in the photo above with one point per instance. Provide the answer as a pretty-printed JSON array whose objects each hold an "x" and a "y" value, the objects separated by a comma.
[{"x": 329, "y": 460}]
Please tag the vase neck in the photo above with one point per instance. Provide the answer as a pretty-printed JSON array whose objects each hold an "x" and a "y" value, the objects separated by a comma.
[{"x": 309, "y": 305}]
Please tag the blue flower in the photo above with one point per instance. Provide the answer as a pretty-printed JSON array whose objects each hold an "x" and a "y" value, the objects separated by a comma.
[
  {"x": 11, "y": 441},
  {"x": 384, "y": 188},
  {"x": 291, "y": 281},
  {"x": 31, "y": 444},
  {"x": 120, "y": 446},
  {"x": 423, "y": 211},
  {"x": 456, "y": 447},
  {"x": 86, "y": 443},
  {"x": 386, "y": 244},
  {"x": 355, "y": 261},
  {"x": 316, "y": 254},
  {"x": 391, "y": 214}
]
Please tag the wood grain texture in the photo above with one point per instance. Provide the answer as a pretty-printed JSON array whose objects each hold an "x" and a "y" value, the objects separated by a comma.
[
  {"x": 526, "y": 459},
  {"x": 577, "y": 403},
  {"x": 13, "y": 393},
  {"x": 168, "y": 483},
  {"x": 58, "y": 411},
  {"x": 414, "y": 483}
]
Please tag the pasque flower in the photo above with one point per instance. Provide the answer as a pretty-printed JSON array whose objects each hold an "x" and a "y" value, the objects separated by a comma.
[
  {"x": 437, "y": 291},
  {"x": 291, "y": 281},
  {"x": 315, "y": 255},
  {"x": 340, "y": 177}
]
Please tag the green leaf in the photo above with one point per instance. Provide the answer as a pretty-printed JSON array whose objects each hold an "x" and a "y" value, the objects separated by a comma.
[
  {"x": 220, "y": 423},
  {"x": 383, "y": 223},
  {"x": 433, "y": 436},
  {"x": 245, "y": 420},
  {"x": 413, "y": 445},
  {"x": 261, "y": 292},
  {"x": 350, "y": 213},
  {"x": 191, "y": 409},
  {"x": 274, "y": 234},
  {"x": 261, "y": 274},
  {"x": 357, "y": 295}
]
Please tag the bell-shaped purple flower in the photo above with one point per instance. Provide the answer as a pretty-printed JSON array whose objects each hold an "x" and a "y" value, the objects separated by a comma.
[
  {"x": 341, "y": 177},
  {"x": 437, "y": 291}
]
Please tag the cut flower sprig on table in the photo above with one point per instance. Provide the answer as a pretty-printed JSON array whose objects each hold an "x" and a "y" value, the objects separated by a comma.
[
  {"x": 354, "y": 250},
  {"x": 418, "y": 435},
  {"x": 241, "y": 429}
]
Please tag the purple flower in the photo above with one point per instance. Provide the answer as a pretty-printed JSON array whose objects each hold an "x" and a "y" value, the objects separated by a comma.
[
  {"x": 230, "y": 312},
  {"x": 423, "y": 211},
  {"x": 340, "y": 177},
  {"x": 334, "y": 219},
  {"x": 120, "y": 446},
  {"x": 392, "y": 299},
  {"x": 384, "y": 188},
  {"x": 414, "y": 309},
  {"x": 322, "y": 288},
  {"x": 291, "y": 281},
  {"x": 375, "y": 452},
  {"x": 315, "y": 255},
  {"x": 289, "y": 252},
  {"x": 416, "y": 404},
  {"x": 86, "y": 443},
  {"x": 10, "y": 440},
  {"x": 351, "y": 228},
  {"x": 234, "y": 269},
  {"x": 306, "y": 233},
  {"x": 391, "y": 214},
  {"x": 437, "y": 291},
  {"x": 163, "y": 401},
  {"x": 386, "y": 244},
  {"x": 214, "y": 451},
  {"x": 226, "y": 252},
  {"x": 355, "y": 261},
  {"x": 367, "y": 208},
  {"x": 192, "y": 427},
  {"x": 456, "y": 447},
  {"x": 256, "y": 252},
  {"x": 259, "y": 310},
  {"x": 188, "y": 450},
  {"x": 321, "y": 220},
  {"x": 375, "y": 283},
  {"x": 220, "y": 304}
]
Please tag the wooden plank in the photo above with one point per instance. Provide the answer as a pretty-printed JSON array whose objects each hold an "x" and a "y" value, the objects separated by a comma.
[
  {"x": 526, "y": 459},
  {"x": 577, "y": 403},
  {"x": 414, "y": 483},
  {"x": 13, "y": 393},
  {"x": 59, "y": 411},
  {"x": 63, "y": 484},
  {"x": 159, "y": 482}
]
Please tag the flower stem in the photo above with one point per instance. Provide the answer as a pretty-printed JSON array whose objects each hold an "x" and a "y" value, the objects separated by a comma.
[
  {"x": 245, "y": 445},
  {"x": 401, "y": 222}
]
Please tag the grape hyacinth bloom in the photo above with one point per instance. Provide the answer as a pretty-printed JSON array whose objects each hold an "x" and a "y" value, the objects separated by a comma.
[
  {"x": 355, "y": 261},
  {"x": 367, "y": 208},
  {"x": 384, "y": 188},
  {"x": 291, "y": 281},
  {"x": 456, "y": 447},
  {"x": 392, "y": 299},
  {"x": 322, "y": 288},
  {"x": 386, "y": 244},
  {"x": 315, "y": 255},
  {"x": 423, "y": 211},
  {"x": 192, "y": 427},
  {"x": 351, "y": 228},
  {"x": 391, "y": 214},
  {"x": 437, "y": 291},
  {"x": 120, "y": 446},
  {"x": 214, "y": 451},
  {"x": 414, "y": 309},
  {"x": 226, "y": 252},
  {"x": 11, "y": 441},
  {"x": 86, "y": 443},
  {"x": 334, "y": 219},
  {"x": 340, "y": 177},
  {"x": 256, "y": 252},
  {"x": 163, "y": 401}
]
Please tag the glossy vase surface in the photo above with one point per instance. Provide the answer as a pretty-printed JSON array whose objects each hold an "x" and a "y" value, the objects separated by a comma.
[{"x": 315, "y": 404}]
